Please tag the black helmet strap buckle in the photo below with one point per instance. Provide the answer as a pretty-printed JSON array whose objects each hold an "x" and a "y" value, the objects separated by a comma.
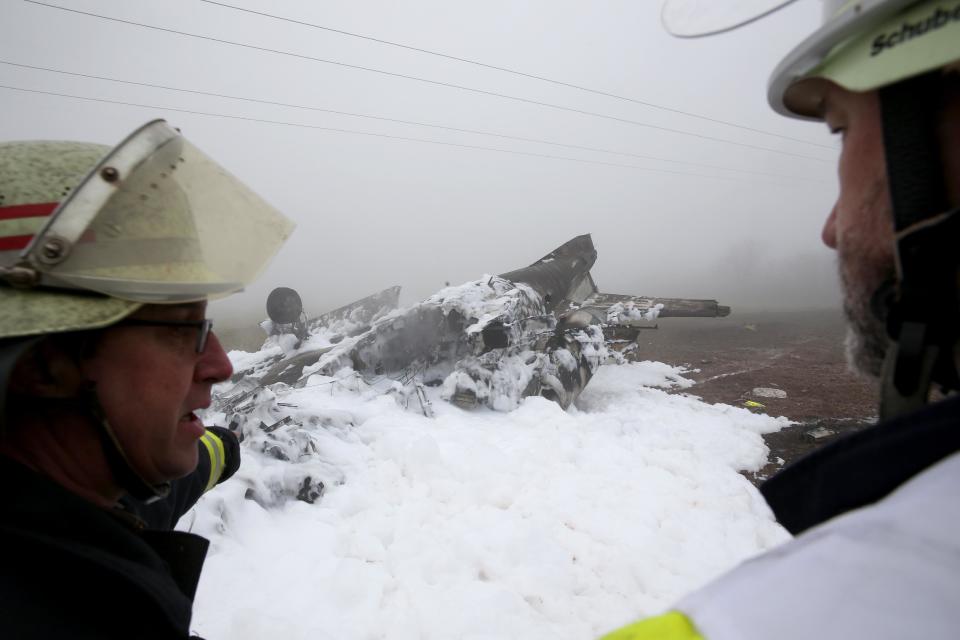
[{"x": 923, "y": 312}]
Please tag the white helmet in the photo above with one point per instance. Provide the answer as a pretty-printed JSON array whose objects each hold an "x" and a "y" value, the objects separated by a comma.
[{"x": 864, "y": 45}]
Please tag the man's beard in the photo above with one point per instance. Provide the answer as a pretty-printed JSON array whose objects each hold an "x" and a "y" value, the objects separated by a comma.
[{"x": 867, "y": 341}]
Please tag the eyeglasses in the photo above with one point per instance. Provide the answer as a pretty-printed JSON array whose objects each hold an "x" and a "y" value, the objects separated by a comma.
[{"x": 204, "y": 326}]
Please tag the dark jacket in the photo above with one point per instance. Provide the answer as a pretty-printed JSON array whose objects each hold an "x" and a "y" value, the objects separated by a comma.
[
  {"x": 74, "y": 570},
  {"x": 864, "y": 467}
]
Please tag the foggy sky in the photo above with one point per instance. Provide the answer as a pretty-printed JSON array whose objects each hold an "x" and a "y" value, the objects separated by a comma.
[{"x": 374, "y": 212}]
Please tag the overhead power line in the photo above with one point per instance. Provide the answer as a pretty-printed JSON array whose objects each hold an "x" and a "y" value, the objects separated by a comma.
[
  {"x": 516, "y": 72},
  {"x": 364, "y": 133},
  {"x": 401, "y": 121},
  {"x": 427, "y": 81}
]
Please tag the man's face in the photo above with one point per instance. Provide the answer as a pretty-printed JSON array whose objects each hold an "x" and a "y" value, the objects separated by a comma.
[
  {"x": 149, "y": 381},
  {"x": 860, "y": 227}
]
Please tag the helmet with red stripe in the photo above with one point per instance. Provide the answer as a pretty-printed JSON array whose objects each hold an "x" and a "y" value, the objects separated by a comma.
[
  {"x": 35, "y": 177},
  {"x": 89, "y": 233}
]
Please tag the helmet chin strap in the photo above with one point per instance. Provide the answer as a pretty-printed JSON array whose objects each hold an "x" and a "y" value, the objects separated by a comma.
[
  {"x": 123, "y": 471},
  {"x": 121, "y": 468},
  {"x": 923, "y": 312}
]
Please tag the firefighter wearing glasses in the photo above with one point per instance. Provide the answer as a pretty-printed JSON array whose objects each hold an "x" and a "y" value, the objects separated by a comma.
[
  {"x": 876, "y": 515},
  {"x": 107, "y": 260}
]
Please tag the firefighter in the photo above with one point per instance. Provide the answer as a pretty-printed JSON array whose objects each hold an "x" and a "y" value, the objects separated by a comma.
[
  {"x": 876, "y": 515},
  {"x": 107, "y": 260}
]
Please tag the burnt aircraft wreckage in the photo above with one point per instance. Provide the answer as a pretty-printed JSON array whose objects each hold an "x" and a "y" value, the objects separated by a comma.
[{"x": 540, "y": 330}]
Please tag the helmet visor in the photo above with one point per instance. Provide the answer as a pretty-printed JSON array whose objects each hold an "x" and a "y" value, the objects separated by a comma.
[
  {"x": 158, "y": 221},
  {"x": 694, "y": 18}
]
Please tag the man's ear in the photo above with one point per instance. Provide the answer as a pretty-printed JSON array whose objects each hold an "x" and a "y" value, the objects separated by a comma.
[{"x": 46, "y": 371}]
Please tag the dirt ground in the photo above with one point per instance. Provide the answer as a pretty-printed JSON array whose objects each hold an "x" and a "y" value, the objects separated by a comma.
[{"x": 800, "y": 354}]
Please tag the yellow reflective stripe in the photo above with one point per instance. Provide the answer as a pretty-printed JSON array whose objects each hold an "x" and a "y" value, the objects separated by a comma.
[
  {"x": 670, "y": 626},
  {"x": 217, "y": 455}
]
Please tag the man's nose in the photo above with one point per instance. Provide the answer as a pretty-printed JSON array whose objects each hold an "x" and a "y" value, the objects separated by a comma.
[
  {"x": 829, "y": 233},
  {"x": 214, "y": 365}
]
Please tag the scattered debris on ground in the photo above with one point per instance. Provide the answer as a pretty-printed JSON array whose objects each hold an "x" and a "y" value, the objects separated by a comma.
[{"x": 781, "y": 363}]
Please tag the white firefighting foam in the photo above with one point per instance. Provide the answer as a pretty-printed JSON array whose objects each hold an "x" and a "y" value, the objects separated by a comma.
[{"x": 538, "y": 523}]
